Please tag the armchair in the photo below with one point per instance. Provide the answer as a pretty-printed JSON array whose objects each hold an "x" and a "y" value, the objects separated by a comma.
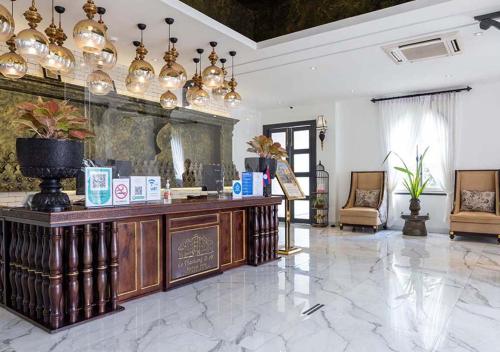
[
  {"x": 354, "y": 215},
  {"x": 464, "y": 221}
]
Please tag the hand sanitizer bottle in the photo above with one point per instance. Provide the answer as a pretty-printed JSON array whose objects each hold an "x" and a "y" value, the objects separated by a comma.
[{"x": 167, "y": 195}]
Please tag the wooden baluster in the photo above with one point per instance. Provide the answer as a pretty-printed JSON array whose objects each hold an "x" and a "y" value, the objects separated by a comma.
[
  {"x": 262, "y": 237},
  {"x": 31, "y": 272},
  {"x": 275, "y": 231},
  {"x": 101, "y": 269},
  {"x": 265, "y": 235},
  {"x": 270, "y": 233},
  {"x": 19, "y": 271},
  {"x": 87, "y": 281},
  {"x": 46, "y": 275},
  {"x": 13, "y": 264},
  {"x": 24, "y": 277},
  {"x": 38, "y": 273},
  {"x": 55, "y": 278},
  {"x": 72, "y": 275},
  {"x": 113, "y": 267},
  {"x": 256, "y": 235}
]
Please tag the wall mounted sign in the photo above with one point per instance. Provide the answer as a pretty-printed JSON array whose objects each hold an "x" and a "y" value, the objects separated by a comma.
[
  {"x": 193, "y": 252},
  {"x": 98, "y": 186},
  {"x": 137, "y": 188},
  {"x": 121, "y": 191},
  {"x": 153, "y": 188},
  {"x": 288, "y": 181}
]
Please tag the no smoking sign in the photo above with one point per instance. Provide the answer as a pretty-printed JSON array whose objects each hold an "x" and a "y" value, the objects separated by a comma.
[{"x": 121, "y": 191}]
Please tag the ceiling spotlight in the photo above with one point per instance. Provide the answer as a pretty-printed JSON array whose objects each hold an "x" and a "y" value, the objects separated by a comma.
[{"x": 313, "y": 68}]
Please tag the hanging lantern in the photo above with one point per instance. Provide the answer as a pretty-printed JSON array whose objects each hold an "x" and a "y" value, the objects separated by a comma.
[
  {"x": 99, "y": 83},
  {"x": 7, "y": 24},
  {"x": 13, "y": 65},
  {"x": 140, "y": 72},
  {"x": 168, "y": 100},
  {"x": 220, "y": 92},
  {"x": 89, "y": 35},
  {"x": 30, "y": 43},
  {"x": 172, "y": 75},
  {"x": 213, "y": 76},
  {"x": 60, "y": 60},
  {"x": 232, "y": 99},
  {"x": 108, "y": 56}
]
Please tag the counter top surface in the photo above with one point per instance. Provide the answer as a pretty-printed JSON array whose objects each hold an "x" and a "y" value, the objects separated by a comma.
[{"x": 81, "y": 214}]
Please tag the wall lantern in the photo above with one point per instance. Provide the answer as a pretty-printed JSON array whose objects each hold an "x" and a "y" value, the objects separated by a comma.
[{"x": 321, "y": 126}]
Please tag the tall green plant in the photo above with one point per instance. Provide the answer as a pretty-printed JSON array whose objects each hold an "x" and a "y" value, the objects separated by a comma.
[{"x": 412, "y": 181}]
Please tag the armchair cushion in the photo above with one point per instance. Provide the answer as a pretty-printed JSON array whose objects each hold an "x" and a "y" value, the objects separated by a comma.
[
  {"x": 476, "y": 217},
  {"x": 478, "y": 201},
  {"x": 367, "y": 198}
]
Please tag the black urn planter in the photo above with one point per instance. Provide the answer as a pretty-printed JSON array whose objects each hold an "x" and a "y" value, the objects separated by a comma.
[
  {"x": 261, "y": 165},
  {"x": 50, "y": 160}
]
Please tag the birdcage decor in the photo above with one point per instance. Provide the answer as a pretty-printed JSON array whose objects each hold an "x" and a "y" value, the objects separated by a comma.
[{"x": 320, "y": 197}]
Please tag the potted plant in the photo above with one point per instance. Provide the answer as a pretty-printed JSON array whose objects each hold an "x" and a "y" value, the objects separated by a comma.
[
  {"x": 52, "y": 148},
  {"x": 415, "y": 185},
  {"x": 268, "y": 153}
]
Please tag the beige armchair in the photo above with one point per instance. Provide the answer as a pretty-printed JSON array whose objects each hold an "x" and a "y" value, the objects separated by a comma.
[
  {"x": 374, "y": 217},
  {"x": 475, "y": 222}
]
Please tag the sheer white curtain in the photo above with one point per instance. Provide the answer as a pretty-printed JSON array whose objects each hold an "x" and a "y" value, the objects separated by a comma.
[
  {"x": 399, "y": 133},
  {"x": 444, "y": 108},
  {"x": 427, "y": 121}
]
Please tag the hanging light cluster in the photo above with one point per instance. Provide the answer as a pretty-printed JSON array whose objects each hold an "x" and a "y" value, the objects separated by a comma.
[
  {"x": 100, "y": 55},
  {"x": 31, "y": 44}
]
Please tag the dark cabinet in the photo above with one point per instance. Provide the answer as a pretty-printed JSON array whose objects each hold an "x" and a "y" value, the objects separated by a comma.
[
  {"x": 140, "y": 256},
  {"x": 233, "y": 238}
]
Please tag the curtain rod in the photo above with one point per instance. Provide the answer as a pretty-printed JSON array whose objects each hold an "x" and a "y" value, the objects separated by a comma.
[{"x": 468, "y": 89}]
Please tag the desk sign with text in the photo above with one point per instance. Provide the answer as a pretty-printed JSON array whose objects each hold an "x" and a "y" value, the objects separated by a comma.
[
  {"x": 252, "y": 184},
  {"x": 121, "y": 191},
  {"x": 98, "y": 191},
  {"x": 153, "y": 185},
  {"x": 137, "y": 189}
]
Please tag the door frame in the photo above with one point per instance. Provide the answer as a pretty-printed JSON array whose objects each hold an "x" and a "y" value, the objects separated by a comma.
[{"x": 289, "y": 127}]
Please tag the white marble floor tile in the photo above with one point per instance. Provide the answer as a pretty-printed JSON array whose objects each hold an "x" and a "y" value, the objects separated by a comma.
[{"x": 382, "y": 292}]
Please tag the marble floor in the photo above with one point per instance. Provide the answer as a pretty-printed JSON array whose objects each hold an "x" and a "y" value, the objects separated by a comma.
[{"x": 380, "y": 292}]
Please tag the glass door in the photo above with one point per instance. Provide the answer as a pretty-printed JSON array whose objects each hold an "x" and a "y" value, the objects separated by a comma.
[{"x": 299, "y": 140}]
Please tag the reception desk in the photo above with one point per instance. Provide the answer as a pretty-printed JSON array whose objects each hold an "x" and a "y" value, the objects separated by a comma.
[{"x": 62, "y": 269}]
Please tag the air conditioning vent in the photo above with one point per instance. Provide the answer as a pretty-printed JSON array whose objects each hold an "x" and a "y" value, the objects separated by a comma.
[{"x": 424, "y": 48}]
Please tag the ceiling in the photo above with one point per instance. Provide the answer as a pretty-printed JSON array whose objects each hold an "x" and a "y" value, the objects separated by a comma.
[{"x": 346, "y": 55}]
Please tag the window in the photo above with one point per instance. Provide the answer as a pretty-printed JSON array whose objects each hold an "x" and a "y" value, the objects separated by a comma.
[{"x": 426, "y": 133}]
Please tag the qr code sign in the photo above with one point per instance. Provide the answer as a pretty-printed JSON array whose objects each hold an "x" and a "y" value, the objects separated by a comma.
[
  {"x": 138, "y": 190},
  {"x": 99, "y": 181}
]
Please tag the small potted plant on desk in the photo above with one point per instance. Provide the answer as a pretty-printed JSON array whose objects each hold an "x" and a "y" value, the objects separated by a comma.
[
  {"x": 415, "y": 185},
  {"x": 269, "y": 153},
  {"x": 53, "y": 150}
]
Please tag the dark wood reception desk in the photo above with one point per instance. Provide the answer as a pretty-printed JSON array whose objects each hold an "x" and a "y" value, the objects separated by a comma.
[{"x": 62, "y": 269}]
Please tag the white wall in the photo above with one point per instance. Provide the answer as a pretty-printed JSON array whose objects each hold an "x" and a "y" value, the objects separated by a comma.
[
  {"x": 477, "y": 144},
  {"x": 353, "y": 143}
]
